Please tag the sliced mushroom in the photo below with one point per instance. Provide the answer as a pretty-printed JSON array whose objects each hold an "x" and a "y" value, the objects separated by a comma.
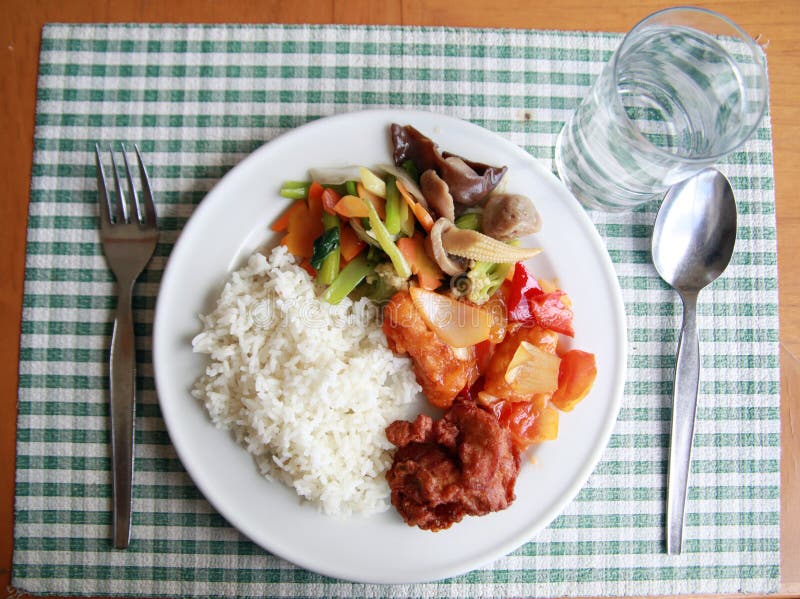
[
  {"x": 437, "y": 193},
  {"x": 510, "y": 216},
  {"x": 480, "y": 247},
  {"x": 435, "y": 249},
  {"x": 469, "y": 182},
  {"x": 466, "y": 185}
]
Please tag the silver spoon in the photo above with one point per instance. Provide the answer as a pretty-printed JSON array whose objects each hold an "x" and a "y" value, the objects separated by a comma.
[{"x": 693, "y": 239}]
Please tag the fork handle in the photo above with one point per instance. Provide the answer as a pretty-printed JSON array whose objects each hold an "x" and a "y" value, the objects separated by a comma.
[{"x": 122, "y": 372}]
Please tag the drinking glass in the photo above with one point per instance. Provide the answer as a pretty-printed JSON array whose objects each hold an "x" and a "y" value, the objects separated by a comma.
[{"x": 685, "y": 87}]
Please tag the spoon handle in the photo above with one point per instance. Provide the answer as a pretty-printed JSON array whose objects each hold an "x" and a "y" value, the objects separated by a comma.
[{"x": 684, "y": 406}]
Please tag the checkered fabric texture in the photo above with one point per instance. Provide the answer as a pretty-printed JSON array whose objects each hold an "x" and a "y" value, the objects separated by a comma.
[{"x": 198, "y": 99}]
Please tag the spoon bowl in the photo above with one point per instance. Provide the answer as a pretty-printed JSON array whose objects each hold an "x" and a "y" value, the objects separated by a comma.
[
  {"x": 693, "y": 239},
  {"x": 695, "y": 231}
]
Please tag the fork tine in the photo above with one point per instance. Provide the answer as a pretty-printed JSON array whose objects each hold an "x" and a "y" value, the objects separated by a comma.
[
  {"x": 120, "y": 213},
  {"x": 147, "y": 192},
  {"x": 102, "y": 190},
  {"x": 133, "y": 208}
]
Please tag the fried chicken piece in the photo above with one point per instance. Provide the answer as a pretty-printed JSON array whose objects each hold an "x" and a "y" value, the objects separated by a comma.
[
  {"x": 441, "y": 373},
  {"x": 464, "y": 464}
]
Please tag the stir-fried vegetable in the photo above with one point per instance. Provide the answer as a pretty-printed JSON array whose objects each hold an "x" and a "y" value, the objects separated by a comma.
[
  {"x": 351, "y": 207},
  {"x": 326, "y": 250},
  {"x": 576, "y": 376},
  {"x": 457, "y": 323},
  {"x": 533, "y": 370},
  {"x": 429, "y": 275},
  {"x": 347, "y": 280},
  {"x": 372, "y": 182},
  {"x": 393, "y": 203},
  {"x": 528, "y": 303},
  {"x": 295, "y": 190},
  {"x": 420, "y": 212},
  {"x": 470, "y": 221},
  {"x": 378, "y": 202},
  {"x": 386, "y": 242},
  {"x": 485, "y": 278},
  {"x": 351, "y": 245}
]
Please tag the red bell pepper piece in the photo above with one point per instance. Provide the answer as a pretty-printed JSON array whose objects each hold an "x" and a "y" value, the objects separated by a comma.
[
  {"x": 528, "y": 304},
  {"x": 329, "y": 199},
  {"x": 550, "y": 312},
  {"x": 523, "y": 286}
]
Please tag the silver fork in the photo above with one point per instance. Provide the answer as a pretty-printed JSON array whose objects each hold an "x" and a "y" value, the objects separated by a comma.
[{"x": 129, "y": 234}]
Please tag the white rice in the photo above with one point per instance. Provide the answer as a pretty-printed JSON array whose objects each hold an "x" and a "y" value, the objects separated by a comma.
[{"x": 306, "y": 387}]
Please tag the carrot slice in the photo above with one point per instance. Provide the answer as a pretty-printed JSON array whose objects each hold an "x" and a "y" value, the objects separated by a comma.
[
  {"x": 315, "y": 209},
  {"x": 422, "y": 215},
  {"x": 305, "y": 225},
  {"x": 377, "y": 201},
  {"x": 315, "y": 190},
  {"x": 351, "y": 207},
  {"x": 350, "y": 245},
  {"x": 429, "y": 275},
  {"x": 306, "y": 266},
  {"x": 282, "y": 222}
]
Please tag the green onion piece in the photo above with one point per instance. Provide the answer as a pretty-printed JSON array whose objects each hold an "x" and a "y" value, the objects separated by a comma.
[
  {"x": 411, "y": 168},
  {"x": 387, "y": 243},
  {"x": 294, "y": 193},
  {"x": 295, "y": 185},
  {"x": 350, "y": 187},
  {"x": 393, "y": 201},
  {"x": 347, "y": 280},
  {"x": 330, "y": 264},
  {"x": 469, "y": 220}
]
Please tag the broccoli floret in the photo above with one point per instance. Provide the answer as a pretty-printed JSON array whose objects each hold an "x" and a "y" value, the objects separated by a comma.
[
  {"x": 385, "y": 282},
  {"x": 485, "y": 279}
]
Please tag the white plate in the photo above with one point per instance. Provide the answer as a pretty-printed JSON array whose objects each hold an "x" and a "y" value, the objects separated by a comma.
[{"x": 233, "y": 220}]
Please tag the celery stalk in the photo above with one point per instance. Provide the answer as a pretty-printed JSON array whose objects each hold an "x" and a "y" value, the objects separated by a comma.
[
  {"x": 295, "y": 190},
  {"x": 347, "y": 280},
  {"x": 294, "y": 193},
  {"x": 393, "y": 201},
  {"x": 330, "y": 265},
  {"x": 387, "y": 243},
  {"x": 406, "y": 220},
  {"x": 469, "y": 220}
]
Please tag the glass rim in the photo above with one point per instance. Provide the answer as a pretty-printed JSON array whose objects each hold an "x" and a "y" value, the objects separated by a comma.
[{"x": 755, "y": 49}]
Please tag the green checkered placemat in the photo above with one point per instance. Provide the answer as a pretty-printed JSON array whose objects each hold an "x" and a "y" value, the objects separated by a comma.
[{"x": 198, "y": 99}]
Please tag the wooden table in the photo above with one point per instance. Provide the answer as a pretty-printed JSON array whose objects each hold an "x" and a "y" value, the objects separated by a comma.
[{"x": 777, "y": 22}]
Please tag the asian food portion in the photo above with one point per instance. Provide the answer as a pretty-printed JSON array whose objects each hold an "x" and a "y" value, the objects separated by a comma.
[{"x": 435, "y": 245}]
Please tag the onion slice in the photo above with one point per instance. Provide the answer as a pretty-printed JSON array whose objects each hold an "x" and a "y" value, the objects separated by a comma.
[
  {"x": 456, "y": 323},
  {"x": 335, "y": 175},
  {"x": 533, "y": 370},
  {"x": 410, "y": 184}
]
